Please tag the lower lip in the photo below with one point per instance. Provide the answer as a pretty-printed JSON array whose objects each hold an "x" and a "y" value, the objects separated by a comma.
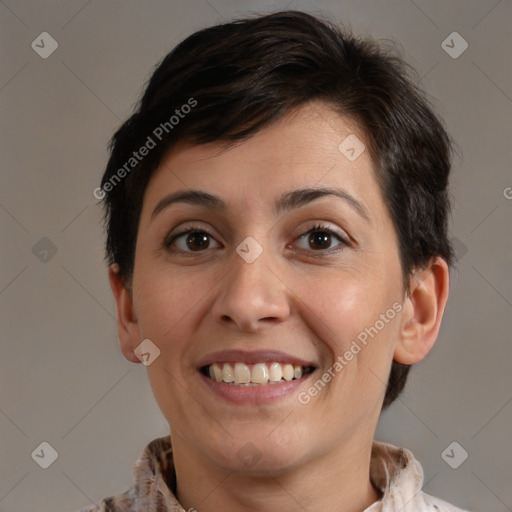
[{"x": 259, "y": 394}]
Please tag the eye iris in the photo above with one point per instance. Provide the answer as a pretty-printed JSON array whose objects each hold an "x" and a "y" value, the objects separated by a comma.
[
  {"x": 198, "y": 239},
  {"x": 320, "y": 238}
]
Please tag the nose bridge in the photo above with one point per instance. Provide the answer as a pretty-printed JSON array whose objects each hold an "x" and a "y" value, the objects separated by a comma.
[
  {"x": 251, "y": 291},
  {"x": 251, "y": 262}
]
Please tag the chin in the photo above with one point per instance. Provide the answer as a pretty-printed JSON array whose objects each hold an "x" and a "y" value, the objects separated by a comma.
[{"x": 257, "y": 455}]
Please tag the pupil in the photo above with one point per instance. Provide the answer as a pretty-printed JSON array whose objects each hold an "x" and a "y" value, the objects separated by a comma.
[
  {"x": 322, "y": 239},
  {"x": 197, "y": 239}
]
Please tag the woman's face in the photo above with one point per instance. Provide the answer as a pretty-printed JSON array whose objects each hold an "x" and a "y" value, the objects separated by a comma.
[{"x": 247, "y": 277}]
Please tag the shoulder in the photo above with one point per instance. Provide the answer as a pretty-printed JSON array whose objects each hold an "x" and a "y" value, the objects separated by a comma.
[
  {"x": 431, "y": 503},
  {"x": 122, "y": 503},
  {"x": 149, "y": 490},
  {"x": 399, "y": 477}
]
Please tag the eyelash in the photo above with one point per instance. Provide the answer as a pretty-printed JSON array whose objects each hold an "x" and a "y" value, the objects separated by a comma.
[{"x": 317, "y": 227}]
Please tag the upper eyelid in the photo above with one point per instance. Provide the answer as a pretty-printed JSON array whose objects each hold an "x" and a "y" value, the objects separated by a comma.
[
  {"x": 344, "y": 238},
  {"x": 318, "y": 226}
]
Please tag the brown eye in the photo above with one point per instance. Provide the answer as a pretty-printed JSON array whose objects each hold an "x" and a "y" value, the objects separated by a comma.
[
  {"x": 197, "y": 240},
  {"x": 192, "y": 240},
  {"x": 320, "y": 238}
]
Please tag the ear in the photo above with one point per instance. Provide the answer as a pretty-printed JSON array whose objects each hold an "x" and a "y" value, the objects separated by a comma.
[
  {"x": 127, "y": 325},
  {"x": 423, "y": 312}
]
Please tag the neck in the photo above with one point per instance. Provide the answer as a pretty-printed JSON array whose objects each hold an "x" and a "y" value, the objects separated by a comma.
[{"x": 337, "y": 480}]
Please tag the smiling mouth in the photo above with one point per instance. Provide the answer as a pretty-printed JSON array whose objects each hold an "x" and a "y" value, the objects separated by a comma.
[{"x": 259, "y": 374}]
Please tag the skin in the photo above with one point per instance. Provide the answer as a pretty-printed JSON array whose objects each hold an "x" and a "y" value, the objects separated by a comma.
[{"x": 295, "y": 297}]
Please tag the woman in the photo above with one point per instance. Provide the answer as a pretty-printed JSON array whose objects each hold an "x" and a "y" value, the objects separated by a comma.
[{"x": 276, "y": 214}]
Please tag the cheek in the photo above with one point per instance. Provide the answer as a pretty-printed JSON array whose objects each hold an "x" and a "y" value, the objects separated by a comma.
[
  {"x": 169, "y": 305},
  {"x": 352, "y": 317},
  {"x": 166, "y": 300},
  {"x": 344, "y": 303},
  {"x": 169, "y": 308}
]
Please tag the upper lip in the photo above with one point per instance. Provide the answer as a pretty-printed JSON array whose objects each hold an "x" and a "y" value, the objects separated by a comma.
[{"x": 252, "y": 357}]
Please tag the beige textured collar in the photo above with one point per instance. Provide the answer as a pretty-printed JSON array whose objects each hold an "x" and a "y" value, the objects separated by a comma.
[{"x": 394, "y": 471}]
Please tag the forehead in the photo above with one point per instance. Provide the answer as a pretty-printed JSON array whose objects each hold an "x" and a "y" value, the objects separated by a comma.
[{"x": 312, "y": 146}]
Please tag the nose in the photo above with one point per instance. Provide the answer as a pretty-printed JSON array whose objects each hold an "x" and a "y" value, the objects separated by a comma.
[{"x": 252, "y": 295}]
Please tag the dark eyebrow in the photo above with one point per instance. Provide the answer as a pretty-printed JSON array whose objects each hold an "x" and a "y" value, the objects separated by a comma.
[
  {"x": 302, "y": 196},
  {"x": 286, "y": 202},
  {"x": 196, "y": 197}
]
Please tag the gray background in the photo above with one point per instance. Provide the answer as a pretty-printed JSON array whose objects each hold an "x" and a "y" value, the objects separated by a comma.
[{"x": 63, "y": 379}]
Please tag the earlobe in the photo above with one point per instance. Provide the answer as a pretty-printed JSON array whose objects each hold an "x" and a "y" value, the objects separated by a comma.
[
  {"x": 422, "y": 313},
  {"x": 127, "y": 325}
]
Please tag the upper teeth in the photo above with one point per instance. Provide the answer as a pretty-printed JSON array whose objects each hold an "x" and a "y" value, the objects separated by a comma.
[{"x": 260, "y": 373}]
